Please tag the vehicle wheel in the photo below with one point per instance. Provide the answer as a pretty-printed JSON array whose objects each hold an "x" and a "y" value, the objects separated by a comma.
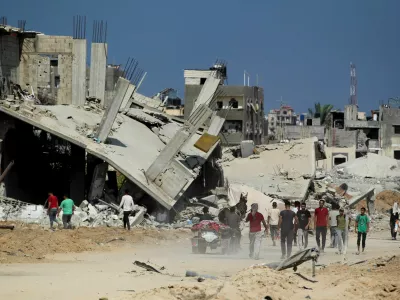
[{"x": 202, "y": 248}]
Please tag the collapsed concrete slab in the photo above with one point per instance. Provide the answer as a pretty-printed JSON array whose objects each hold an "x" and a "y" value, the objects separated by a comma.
[
  {"x": 131, "y": 146},
  {"x": 282, "y": 170}
]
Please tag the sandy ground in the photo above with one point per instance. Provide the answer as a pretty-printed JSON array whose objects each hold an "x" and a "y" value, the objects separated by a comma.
[{"x": 111, "y": 273}]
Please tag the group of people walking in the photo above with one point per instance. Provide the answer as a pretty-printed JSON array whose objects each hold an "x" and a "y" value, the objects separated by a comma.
[
  {"x": 67, "y": 206},
  {"x": 293, "y": 225}
]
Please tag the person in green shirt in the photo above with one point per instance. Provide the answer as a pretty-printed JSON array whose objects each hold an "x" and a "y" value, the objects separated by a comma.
[
  {"x": 68, "y": 208},
  {"x": 362, "y": 228}
]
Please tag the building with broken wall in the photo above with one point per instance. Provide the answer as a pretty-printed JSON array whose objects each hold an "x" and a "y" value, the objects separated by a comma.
[
  {"x": 68, "y": 148},
  {"x": 241, "y": 106},
  {"x": 351, "y": 134}
]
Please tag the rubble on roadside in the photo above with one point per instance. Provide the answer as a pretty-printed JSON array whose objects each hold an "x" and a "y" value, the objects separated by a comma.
[{"x": 85, "y": 215}]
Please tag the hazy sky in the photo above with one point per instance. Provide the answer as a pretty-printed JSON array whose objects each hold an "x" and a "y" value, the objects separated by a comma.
[{"x": 300, "y": 49}]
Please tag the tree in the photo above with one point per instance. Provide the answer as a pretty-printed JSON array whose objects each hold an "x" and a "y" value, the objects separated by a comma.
[{"x": 320, "y": 111}]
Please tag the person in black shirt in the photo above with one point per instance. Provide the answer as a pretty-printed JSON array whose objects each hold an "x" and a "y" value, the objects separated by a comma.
[
  {"x": 287, "y": 223},
  {"x": 394, "y": 216},
  {"x": 304, "y": 220}
]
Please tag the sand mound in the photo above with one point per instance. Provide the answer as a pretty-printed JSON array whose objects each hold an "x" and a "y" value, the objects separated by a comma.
[
  {"x": 373, "y": 166},
  {"x": 252, "y": 283},
  {"x": 385, "y": 199},
  {"x": 32, "y": 243}
]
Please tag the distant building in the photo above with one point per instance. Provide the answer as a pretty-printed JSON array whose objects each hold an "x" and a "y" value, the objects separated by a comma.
[
  {"x": 171, "y": 103},
  {"x": 283, "y": 116},
  {"x": 241, "y": 106}
]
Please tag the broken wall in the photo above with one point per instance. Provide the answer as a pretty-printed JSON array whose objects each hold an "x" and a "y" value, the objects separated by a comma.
[
  {"x": 340, "y": 137},
  {"x": 34, "y": 67},
  {"x": 302, "y": 132},
  {"x": 338, "y": 153},
  {"x": 390, "y": 131},
  {"x": 9, "y": 60}
]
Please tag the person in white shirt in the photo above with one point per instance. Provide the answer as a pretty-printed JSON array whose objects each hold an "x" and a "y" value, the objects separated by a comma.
[
  {"x": 333, "y": 213},
  {"x": 273, "y": 220},
  {"x": 127, "y": 205}
]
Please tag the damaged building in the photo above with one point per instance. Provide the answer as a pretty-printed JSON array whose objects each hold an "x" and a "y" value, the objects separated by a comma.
[
  {"x": 352, "y": 134},
  {"x": 241, "y": 106},
  {"x": 59, "y": 133}
]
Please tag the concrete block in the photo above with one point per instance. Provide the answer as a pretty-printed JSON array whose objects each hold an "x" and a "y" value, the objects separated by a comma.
[
  {"x": 15, "y": 107},
  {"x": 247, "y": 148}
]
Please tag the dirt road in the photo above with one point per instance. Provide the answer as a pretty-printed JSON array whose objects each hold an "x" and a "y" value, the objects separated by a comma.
[{"x": 111, "y": 273}]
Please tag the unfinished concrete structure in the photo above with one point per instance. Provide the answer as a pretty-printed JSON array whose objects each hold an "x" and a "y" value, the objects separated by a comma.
[
  {"x": 66, "y": 143},
  {"x": 98, "y": 62},
  {"x": 79, "y": 71},
  {"x": 242, "y": 107}
]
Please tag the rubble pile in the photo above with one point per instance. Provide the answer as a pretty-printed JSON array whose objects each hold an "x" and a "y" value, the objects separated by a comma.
[
  {"x": 93, "y": 104},
  {"x": 371, "y": 166},
  {"x": 282, "y": 171},
  {"x": 86, "y": 215}
]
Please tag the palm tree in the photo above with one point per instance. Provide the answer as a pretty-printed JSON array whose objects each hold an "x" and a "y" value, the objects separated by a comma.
[{"x": 320, "y": 111}]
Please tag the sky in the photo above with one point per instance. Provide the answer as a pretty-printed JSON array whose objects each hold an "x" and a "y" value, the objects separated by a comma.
[{"x": 300, "y": 49}]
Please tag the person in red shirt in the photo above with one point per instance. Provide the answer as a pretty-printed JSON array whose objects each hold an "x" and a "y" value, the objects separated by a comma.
[
  {"x": 321, "y": 217},
  {"x": 52, "y": 209},
  {"x": 255, "y": 235}
]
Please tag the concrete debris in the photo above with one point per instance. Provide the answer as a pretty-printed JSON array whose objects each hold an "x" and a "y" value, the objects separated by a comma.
[
  {"x": 141, "y": 116},
  {"x": 371, "y": 166},
  {"x": 247, "y": 148},
  {"x": 290, "y": 180},
  {"x": 86, "y": 214}
]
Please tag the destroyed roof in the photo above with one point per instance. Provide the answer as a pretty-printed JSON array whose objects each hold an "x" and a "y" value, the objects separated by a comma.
[
  {"x": 284, "y": 170},
  {"x": 131, "y": 149}
]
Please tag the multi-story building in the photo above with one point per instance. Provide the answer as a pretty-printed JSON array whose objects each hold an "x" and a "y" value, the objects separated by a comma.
[
  {"x": 281, "y": 117},
  {"x": 241, "y": 106}
]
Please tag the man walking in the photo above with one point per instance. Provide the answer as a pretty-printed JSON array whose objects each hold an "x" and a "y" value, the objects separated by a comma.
[
  {"x": 127, "y": 205},
  {"x": 304, "y": 219},
  {"x": 52, "y": 209},
  {"x": 232, "y": 219},
  {"x": 295, "y": 209},
  {"x": 255, "y": 218},
  {"x": 68, "y": 208},
  {"x": 273, "y": 221},
  {"x": 341, "y": 230},
  {"x": 333, "y": 224},
  {"x": 321, "y": 216},
  {"x": 361, "y": 228},
  {"x": 287, "y": 223}
]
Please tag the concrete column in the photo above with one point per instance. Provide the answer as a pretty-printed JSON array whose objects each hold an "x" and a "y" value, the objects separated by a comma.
[
  {"x": 127, "y": 97},
  {"x": 112, "y": 110},
  {"x": 98, "y": 64},
  {"x": 77, "y": 176},
  {"x": 98, "y": 181},
  {"x": 79, "y": 73}
]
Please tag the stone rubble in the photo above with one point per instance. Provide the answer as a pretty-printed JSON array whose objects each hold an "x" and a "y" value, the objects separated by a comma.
[{"x": 85, "y": 215}]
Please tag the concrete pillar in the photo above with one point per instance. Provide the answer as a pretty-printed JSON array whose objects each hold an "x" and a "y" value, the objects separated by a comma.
[
  {"x": 112, "y": 110},
  {"x": 98, "y": 181},
  {"x": 77, "y": 175},
  {"x": 79, "y": 73},
  {"x": 127, "y": 97},
  {"x": 98, "y": 64}
]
